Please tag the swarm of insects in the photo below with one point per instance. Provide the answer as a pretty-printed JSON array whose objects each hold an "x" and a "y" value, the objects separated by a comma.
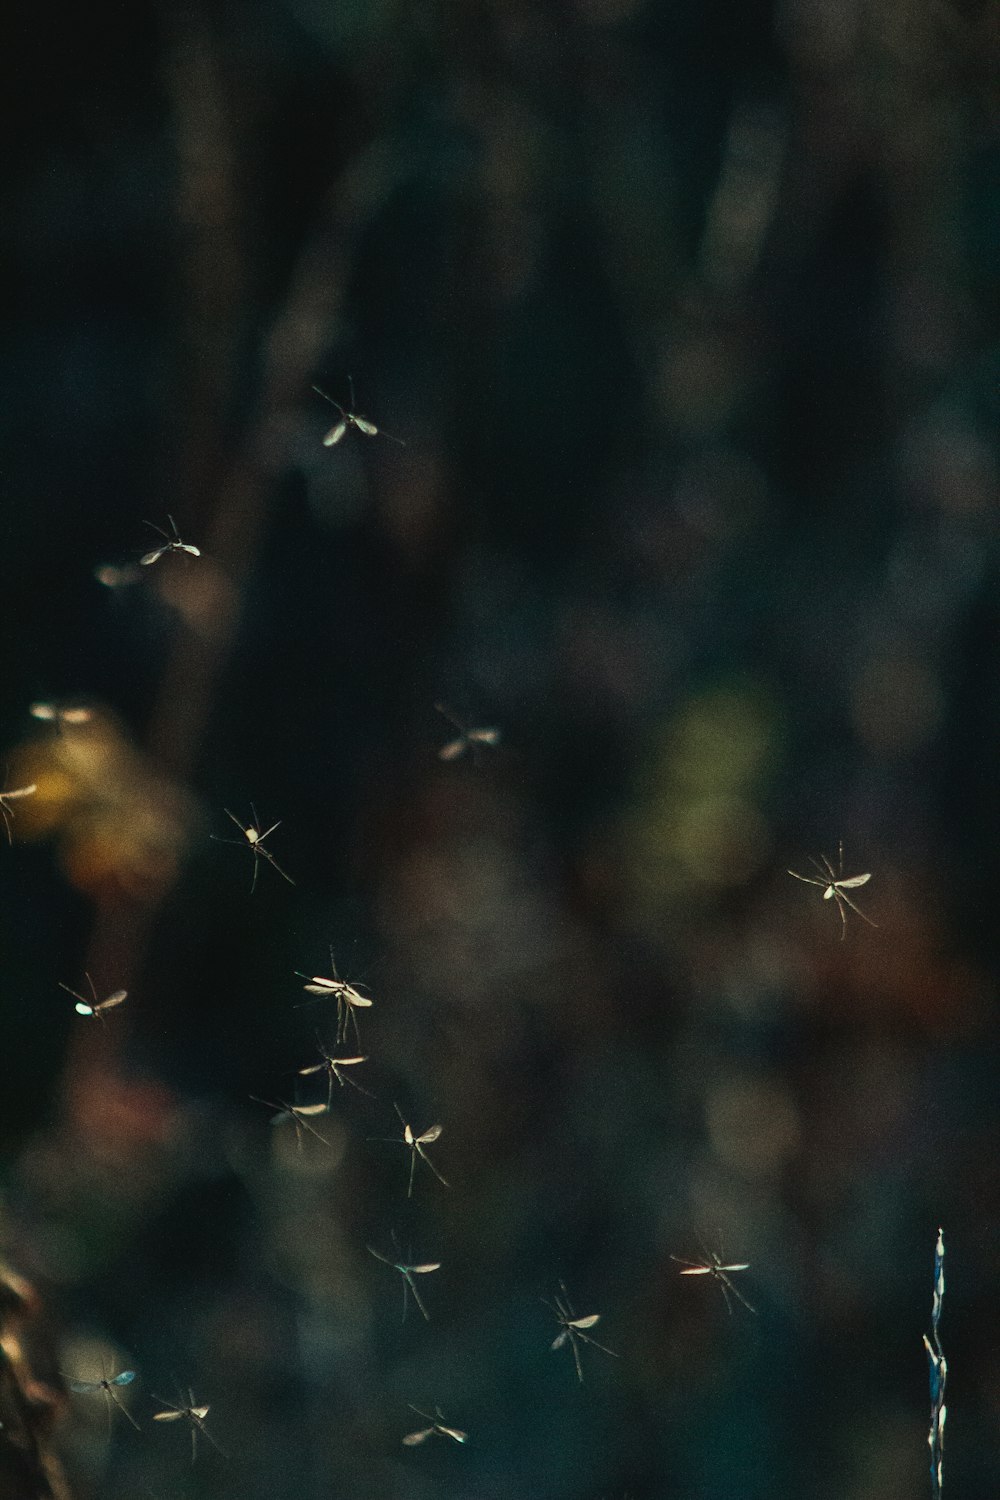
[
  {"x": 7, "y": 812},
  {"x": 573, "y": 1330},
  {"x": 835, "y": 886},
  {"x": 93, "y": 1006},
  {"x": 466, "y": 737},
  {"x": 191, "y": 1413},
  {"x": 713, "y": 1266},
  {"x": 436, "y": 1429},
  {"x": 407, "y": 1271},
  {"x": 351, "y": 419},
  {"x": 172, "y": 543},
  {"x": 253, "y": 839}
]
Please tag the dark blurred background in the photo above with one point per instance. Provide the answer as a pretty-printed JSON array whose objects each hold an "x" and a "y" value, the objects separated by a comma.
[{"x": 688, "y": 317}]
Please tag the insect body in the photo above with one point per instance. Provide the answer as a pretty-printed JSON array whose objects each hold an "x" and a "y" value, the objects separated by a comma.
[
  {"x": 107, "y": 1387},
  {"x": 416, "y": 1144},
  {"x": 572, "y": 1329},
  {"x": 172, "y": 543},
  {"x": 348, "y": 998},
  {"x": 194, "y": 1414},
  {"x": 253, "y": 839},
  {"x": 93, "y": 1006},
  {"x": 407, "y": 1272},
  {"x": 436, "y": 1429},
  {"x": 712, "y": 1266},
  {"x": 7, "y": 812},
  {"x": 466, "y": 737},
  {"x": 332, "y": 1066},
  {"x": 299, "y": 1114},
  {"x": 351, "y": 419},
  {"x": 834, "y": 887}
]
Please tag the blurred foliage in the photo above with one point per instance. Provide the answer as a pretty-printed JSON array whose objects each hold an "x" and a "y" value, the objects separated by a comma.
[{"x": 689, "y": 319}]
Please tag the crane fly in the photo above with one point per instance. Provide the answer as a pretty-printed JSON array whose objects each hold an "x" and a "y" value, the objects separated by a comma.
[
  {"x": 51, "y": 713},
  {"x": 573, "y": 1330},
  {"x": 107, "y": 1388},
  {"x": 407, "y": 1271},
  {"x": 437, "y": 1428},
  {"x": 332, "y": 1066},
  {"x": 835, "y": 887},
  {"x": 348, "y": 998},
  {"x": 7, "y": 812},
  {"x": 194, "y": 1414},
  {"x": 93, "y": 1006},
  {"x": 351, "y": 419},
  {"x": 299, "y": 1114},
  {"x": 465, "y": 738},
  {"x": 415, "y": 1144},
  {"x": 172, "y": 543},
  {"x": 253, "y": 840},
  {"x": 713, "y": 1266}
]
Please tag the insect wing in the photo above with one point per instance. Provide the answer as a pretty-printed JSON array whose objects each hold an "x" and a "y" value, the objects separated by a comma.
[
  {"x": 854, "y": 881},
  {"x": 485, "y": 736},
  {"x": 112, "y": 1000},
  {"x": 452, "y": 750},
  {"x": 453, "y": 1432},
  {"x": 21, "y": 791},
  {"x": 75, "y": 715},
  {"x": 43, "y": 711},
  {"x": 168, "y": 1416},
  {"x": 743, "y": 1266},
  {"x": 125, "y": 1378},
  {"x": 152, "y": 557},
  {"x": 309, "y": 1110},
  {"x": 85, "y": 1387},
  {"x": 353, "y": 998},
  {"x": 413, "y": 1438},
  {"x": 363, "y": 425},
  {"x": 697, "y": 1271},
  {"x": 587, "y": 1322},
  {"x": 187, "y": 547},
  {"x": 316, "y": 1068},
  {"x": 560, "y": 1339},
  {"x": 429, "y": 1136},
  {"x": 83, "y": 1009},
  {"x": 433, "y": 1265},
  {"x": 335, "y": 434}
]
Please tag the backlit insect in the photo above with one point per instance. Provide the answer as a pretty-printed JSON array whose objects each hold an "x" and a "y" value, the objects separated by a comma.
[
  {"x": 573, "y": 1329},
  {"x": 194, "y": 1414},
  {"x": 107, "y": 1387},
  {"x": 172, "y": 543},
  {"x": 437, "y": 1428},
  {"x": 713, "y": 1266},
  {"x": 7, "y": 812},
  {"x": 834, "y": 887},
  {"x": 253, "y": 840},
  {"x": 351, "y": 419},
  {"x": 349, "y": 999},
  {"x": 416, "y": 1144},
  {"x": 51, "y": 713},
  {"x": 93, "y": 1006},
  {"x": 299, "y": 1114},
  {"x": 465, "y": 738},
  {"x": 332, "y": 1066},
  {"x": 407, "y": 1271}
]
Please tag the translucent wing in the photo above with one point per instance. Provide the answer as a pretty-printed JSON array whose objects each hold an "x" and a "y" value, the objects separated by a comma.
[
  {"x": 413, "y": 1438},
  {"x": 854, "y": 881},
  {"x": 310, "y": 1109},
  {"x": 85, "y": 1387},
  {"x": 76, "y": 715},
  {"x": 201, "y": 1412},
  {"x": 187, "y": 547},
  {"x": 433, "y": 1265},
  {"x": 115, "y": 999},
  {"x": 452, "y": 750},
  {"x": 743, "y": 1266},
  {"x": 168, "y": 1416},
  {"x": 335, "y": 434},
  {"x": 587, "y": 1322},
  {"x": 697, "y": 1271},
  {"x": 42, "y": 711},
  {"x": 316, "y": 1068},
  {"x": 453, "y": 1432},
  {"x": 353, "y": 998},
  {"x": 429, "y": 1136},
  {"x": 151, "y": 557},
  {"x": 485, "y": 736},
  {"x": 363, "y": 425},
  {"x": 560, "y": 1339},
  {"x": 21, "y": 791},
  {"x": 125, "y": 1378}
]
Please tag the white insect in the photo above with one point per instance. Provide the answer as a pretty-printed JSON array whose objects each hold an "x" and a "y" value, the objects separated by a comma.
[
  {"x": 713, "y": 1266},
  {"x": 407, "y": 1271},
  {"x": 50, "y": 713},
  {"x": 107, "y": 1388},
  {"x": 194, "y": 1414},
  {"x": 299, "y": 1114},
  {"x": 253, "y": 840},
  {"x": 834, "y": 887},
  {"x": 436, "y": 1429},
  {"x": 415, "y": 1144},
  {"x": 7, "y": 812},
  {"x": 573, "y": 1329},
  {"x": 172, "y": 543},
  {"x": 349, "y": 999},
  {"x": 351, "y": 419},
  {"x": 332, "y": 1066},
  {"x": 465, "y": 738},
  {"x": 93, "y": 1006}
]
